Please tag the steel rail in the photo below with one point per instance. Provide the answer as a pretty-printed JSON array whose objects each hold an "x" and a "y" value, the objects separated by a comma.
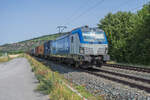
[{"x": 139, "y": 69}]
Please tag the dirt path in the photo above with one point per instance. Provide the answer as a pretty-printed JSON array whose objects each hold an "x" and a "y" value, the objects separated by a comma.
[{"x": 17, "y": 82}]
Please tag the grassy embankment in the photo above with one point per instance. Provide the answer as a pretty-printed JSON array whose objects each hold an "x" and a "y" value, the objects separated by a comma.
[
  {"x": 9, "y": 57},
  {"x": 4, "y": 59},
  {"x": 55, "y": 85}
]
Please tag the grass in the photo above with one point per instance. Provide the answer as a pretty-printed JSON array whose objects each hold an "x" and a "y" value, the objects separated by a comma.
[
  {"x": 10, "y": 57},
  {"x": 61, "y": 92},
  {"x": 4, "y": 59},
  {"x": 54, "y": 84},
  {"x": 50, "y": 82}
]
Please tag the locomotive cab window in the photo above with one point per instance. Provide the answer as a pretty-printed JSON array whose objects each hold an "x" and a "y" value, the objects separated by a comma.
[{"x": 93, "y": 36}]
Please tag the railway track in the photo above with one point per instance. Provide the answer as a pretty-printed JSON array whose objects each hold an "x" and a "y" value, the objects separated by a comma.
[
  {"x": 126, "y": 76},
  {"x": 135, "y": 82},
  {"x": 129, "y": 80},
  {"x": 128, "y": 67}
]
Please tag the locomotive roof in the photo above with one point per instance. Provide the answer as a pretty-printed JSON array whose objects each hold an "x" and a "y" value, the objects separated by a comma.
[{"x": 86, "y": 28}]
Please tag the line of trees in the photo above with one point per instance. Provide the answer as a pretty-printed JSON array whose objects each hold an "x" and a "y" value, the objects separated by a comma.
[{"x": 128, "y": 35}]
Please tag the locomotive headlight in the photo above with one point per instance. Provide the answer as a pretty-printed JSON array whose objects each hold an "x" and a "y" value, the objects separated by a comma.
[{"x": 81, "y": 50}]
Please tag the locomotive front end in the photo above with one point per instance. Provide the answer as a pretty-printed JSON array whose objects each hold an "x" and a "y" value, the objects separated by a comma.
[{"x": 94, "y": 46}]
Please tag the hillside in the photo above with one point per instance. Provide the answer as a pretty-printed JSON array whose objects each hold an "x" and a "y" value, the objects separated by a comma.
[{"x": 28, "y": 44}]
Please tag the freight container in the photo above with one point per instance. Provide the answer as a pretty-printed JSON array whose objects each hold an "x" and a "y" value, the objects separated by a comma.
[
  {"x": 36, "y": 51},
  {"x": 47, "y": 49},
  {"x": 40, "y": 51},
  {"x": 32, "y": 51},
  {"x": 62, "y": 45}
]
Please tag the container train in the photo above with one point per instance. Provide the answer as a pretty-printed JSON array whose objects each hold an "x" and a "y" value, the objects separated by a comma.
[{"x": 83, "y": 46}]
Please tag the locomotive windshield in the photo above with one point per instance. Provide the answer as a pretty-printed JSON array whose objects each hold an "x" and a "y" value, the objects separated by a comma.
[{"x": 93, "y": 36}]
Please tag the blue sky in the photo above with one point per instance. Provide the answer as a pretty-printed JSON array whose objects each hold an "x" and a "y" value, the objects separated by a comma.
[{"x": 25, "y": 19}]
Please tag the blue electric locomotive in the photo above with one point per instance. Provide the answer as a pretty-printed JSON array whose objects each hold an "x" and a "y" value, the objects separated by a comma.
[{"x": 82, "y": 46}]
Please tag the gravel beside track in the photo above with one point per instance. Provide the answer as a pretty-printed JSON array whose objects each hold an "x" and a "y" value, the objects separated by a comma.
[
  {"x": 17, "y": 82},
  {"x": 98, "y": 85},
  {"x": 127, "y": 81},
  {"x": 130, "y": 78}
]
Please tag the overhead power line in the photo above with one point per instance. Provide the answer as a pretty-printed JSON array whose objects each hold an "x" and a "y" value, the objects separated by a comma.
[
  {"x": 121, "y": 5},
  {"x": 125, "y": 3},
  {"x": 76, "y": 11},
  {"x": 86, "y": 11},
  {"x": 136, "y": 8}
]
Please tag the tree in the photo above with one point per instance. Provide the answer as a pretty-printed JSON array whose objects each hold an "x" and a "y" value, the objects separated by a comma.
[
  {"x": 117, "y": 28},
  {"x": 141, "y": 45},
  {"x": 128, "y": 35}
]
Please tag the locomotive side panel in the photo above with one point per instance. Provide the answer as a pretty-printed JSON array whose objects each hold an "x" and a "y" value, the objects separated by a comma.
[{"x": 74, "y": 42}]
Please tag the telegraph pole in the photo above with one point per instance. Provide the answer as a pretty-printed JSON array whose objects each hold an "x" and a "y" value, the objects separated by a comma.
[{"x": 61, "y": 28}]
